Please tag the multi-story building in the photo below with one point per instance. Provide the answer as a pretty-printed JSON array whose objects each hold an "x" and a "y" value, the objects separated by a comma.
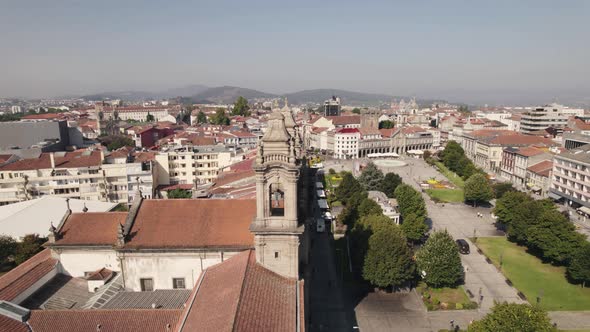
[
  {"x": 192, "y": 164},
  {"x": 82, "y": 174},
  {"x": 385, "y": 203},
  {"x": 136, "y": 113},
  {"x": 332, "y": 106},
  {"x": 16, "y": 109},
  {"x": 571, "y": 177},
  {"x": 516, "y": 161},
  {"x": 540, "y": 118},
  {"x": 538, "y": 177},
  {"x": 346, "y": 143}
]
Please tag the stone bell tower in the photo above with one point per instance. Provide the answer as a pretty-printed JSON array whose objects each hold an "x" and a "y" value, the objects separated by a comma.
[{"x": 276, "y": 227}]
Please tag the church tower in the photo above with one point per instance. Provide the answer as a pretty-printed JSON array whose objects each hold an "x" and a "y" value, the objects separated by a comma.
[{"x": 276, "y": 227}]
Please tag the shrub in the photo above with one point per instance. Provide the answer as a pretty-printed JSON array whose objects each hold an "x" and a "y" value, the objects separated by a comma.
[
  {"x": 459, "y": 306},
  {"x": 331, "y": 171}
]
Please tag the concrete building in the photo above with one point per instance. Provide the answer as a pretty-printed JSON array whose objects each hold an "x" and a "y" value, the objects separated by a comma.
[
  {"x": 81, "y": 174},
  {"x": 571, "y": 177},
  {"x": 136, "y": 113},
  {"x": 16, "y": 109},
  {"x": 332, "y": 106},
  {"x": 541, "y": 118},
  {"x": 29, "y": 137},
  {"x": 346, "y": 143},
  {"x": 192, "y": 164}
]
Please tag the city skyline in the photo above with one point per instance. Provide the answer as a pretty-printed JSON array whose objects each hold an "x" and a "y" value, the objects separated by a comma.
[{"x": 527, "y": 52}]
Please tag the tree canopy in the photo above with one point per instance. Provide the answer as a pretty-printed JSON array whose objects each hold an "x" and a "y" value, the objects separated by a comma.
[
  {"x": 390, "y": 183},
  {"x": 220, "y": 118},
  {"x": 347, "y": 187},
  {"x": 386, "y": 124},
  {"x": 371, "y": 177},
  {"x": 555, "y": 237},
  {"x": 150, "y": 118},
  {"x": 201, "y": 117},
  {"x": 241, "y": 107},
  {"x": 179, "y": 193},
  {"x": 117, "y": 142},
  {"x": 30, "y": 245},
  {"x": 389, "y": 261},
  {"x": 512, "y": 317},
  {"x": 579, "y": 268},
  {"x": 8, "y": 246},
  {"x": 477, "y": 189},
  {"x": 410, "y": 201},
  {"x": 501, "y": 188},
  {"x": 439, "y": 259},
  {"x": 369, "y": 207},
  {"x": 414, "y": 227}
]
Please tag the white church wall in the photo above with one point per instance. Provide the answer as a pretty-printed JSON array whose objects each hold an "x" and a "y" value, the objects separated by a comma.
[{"x": 75, "y": 262}]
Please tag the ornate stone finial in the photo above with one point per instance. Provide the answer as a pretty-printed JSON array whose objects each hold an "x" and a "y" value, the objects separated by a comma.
[
  {"x": 85, "y": 209},
  {"x": 121, "y": 235},
  {"x": 259, "y": 152},
  {"x": 52, "y": 233},
  {"x": 286, "y": 102},
  {"x": 52, "y": 228}
]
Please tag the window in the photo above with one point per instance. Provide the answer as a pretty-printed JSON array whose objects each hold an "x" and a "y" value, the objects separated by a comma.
[
  {"x": 178, "y": 283},
  {"x": 147, "y": 284},
  {"x": 276, "y": 254}
]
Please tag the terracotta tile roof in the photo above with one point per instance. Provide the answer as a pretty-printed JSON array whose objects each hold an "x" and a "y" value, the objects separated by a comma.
[
  {"x": 543, "y": 168},
  {"x": 100, "y": 274},
  {"x": 11, "y": 325},
  {"x": 254, "y": 298},
  {"x": 91, "y": 228},
  {"x": 25, "y": 275},
  {"x": 227, "y": 178},
  {"x": 5, "y": 157},
  {"x": 193, "y": 223},
  {"x": 185, "y": 186},
  {"x": 347, "y": 131},
  {"x": 529, "y": 151},
  {"x": 317, "y": 130},
  {"x": 243, "y": 165},
  {"x": 75, "y": 159},
  {"x": 43, "y": 116},
  {"x": 412, "y": 130},
  {"x": 387, "y": 132},
  {"x": 344, "y": 120},
  {"x": 520, "y": 139},
  {"x": 145, "y": 156},
  {"x": 129, "y": 320},
  {"x": 369, "y": 131}
]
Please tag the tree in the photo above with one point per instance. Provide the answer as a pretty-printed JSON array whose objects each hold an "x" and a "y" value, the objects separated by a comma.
[
  {"x": 201, "y": 117},
  {"x": 427, "y": 155},
  {"x": 507, "y": 204},
  {"x": 512, "y": 317},
  {"x": 241, "y": 107},
  {"x": 410, "y": 201},
  {"x": 371, "y": 177},
  {"x": 220, "y": 118},
  {"x": 8, "y": 247},
  {"x": 356, "y": 110},
  {"x": 554, "y": 237},
  {"x": 179, "y": 193},
  {"x": 362, "y": 231},
  {"x": 116, "y": 115},
  {"x": 390, "y": 183},
  {"x": 579, "y": 267},
  {"x": 117, "y": 142},
  {"x": 414, "y": 227},
  {"x": 369, "y": 207},
  {"x": 28, "y": 247},
  {"x": 389, "y": 261},
  {"x": 525, "y": 215},
  {"x": 347, "y": 187},
  {"x": 386, "y": 124},
  {"x": 439, "y": 259},
  {"x": 477, "y": 189},
  {"x": 501, "y": 188},
  {"x": 150, "y": 118}
]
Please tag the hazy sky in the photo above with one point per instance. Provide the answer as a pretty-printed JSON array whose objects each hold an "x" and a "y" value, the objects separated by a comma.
[{"x": 470, "y": 50}]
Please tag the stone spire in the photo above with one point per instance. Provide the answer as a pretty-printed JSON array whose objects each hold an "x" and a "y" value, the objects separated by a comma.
[{"x": 276, "y": 131}]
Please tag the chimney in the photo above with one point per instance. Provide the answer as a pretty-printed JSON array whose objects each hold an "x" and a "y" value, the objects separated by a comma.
[
  {"x": 68, "y": 204},
  {"x": 52, "y": 233},
  {"x": 121, "y": 235},
  {"x": 52, "y": 159}
]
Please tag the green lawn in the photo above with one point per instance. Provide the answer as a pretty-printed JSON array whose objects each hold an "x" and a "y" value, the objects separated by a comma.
[
  {"x": 454, "y": 178},
  {"x": 530, "y": 275},
  {"x": 446, "y": 195},
  {"x": 434, "y": 297}
]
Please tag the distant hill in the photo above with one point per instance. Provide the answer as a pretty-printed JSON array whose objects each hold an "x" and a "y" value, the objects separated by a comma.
[
  {"x": 347, "y": 97},
  {"x": 228, "y": 94},
  {"x": 124, "y": 95},
  {"x": 185, "y": 91}
]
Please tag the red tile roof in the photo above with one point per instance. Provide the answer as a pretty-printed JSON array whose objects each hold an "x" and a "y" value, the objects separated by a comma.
[
  {"x": 43, "y": 116},
  {"x": 11, "y": 325},
  {"x": 543, "y": 168},
  {"x": 91, "y": 228},
  {"x": 100, "y": 274},
  {"x": 185, "y": 186},
  {"x": 348, "y": 131},
  {"x": 254, "y": 298},
  {"x": 227, "y": 178},
  {"x": 5, "y": 157},
  {"x": 529, "y": 151},
  {"x": 19, "y": 279},
  {"x": 129, "y": 320},
  {"x": 193, "y": 223},
  {"x": 243, "y": 165},
  {"x": 344, "y": 120},
  {"x": 75, "y": 159}
]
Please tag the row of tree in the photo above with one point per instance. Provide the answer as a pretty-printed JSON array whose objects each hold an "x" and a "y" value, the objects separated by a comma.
[
  {"x": 546, "y": 232},
  {"x": 13, "y": 252},
  {"x": 454, "y": 158}
]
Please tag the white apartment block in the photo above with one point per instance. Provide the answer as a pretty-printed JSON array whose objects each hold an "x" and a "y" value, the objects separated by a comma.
[
  {"x": 553, "y": 115},
  {"x": 136, "y": 113},
  {"x": 82, "y": 174},
  {"x": 571, "y": 177},
  {"x": 192, "y": 165},
  {"x": 346, "y": 143}
]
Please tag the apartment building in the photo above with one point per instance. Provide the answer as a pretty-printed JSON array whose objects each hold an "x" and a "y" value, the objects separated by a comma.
[
  {"x": 516, "y": 161},
  {"x": 136, "y": 113},
  {"x": 538, "y": 177},
  {"x": 571, "y": 177},
  {"x": 541, "y": 118},
  {"x": 81, "y": 174},
  {"x": 346, "y": 143},
  {"x": 192, "y": 164}
]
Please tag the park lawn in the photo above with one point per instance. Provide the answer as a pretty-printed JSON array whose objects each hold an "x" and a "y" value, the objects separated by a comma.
[
  {"x": 454, "y": 178},
  {"x": 446, "y": 195},
  {"x": 530, "y": 275}
]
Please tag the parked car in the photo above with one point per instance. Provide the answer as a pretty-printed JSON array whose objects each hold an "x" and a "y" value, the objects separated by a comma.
[
  {"x": 320, "y": 226},
  {"x": 463, "y": 246}
]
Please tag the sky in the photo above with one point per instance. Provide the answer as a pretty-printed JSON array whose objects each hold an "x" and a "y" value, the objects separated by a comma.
[{"x": 472, "y": 51}]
